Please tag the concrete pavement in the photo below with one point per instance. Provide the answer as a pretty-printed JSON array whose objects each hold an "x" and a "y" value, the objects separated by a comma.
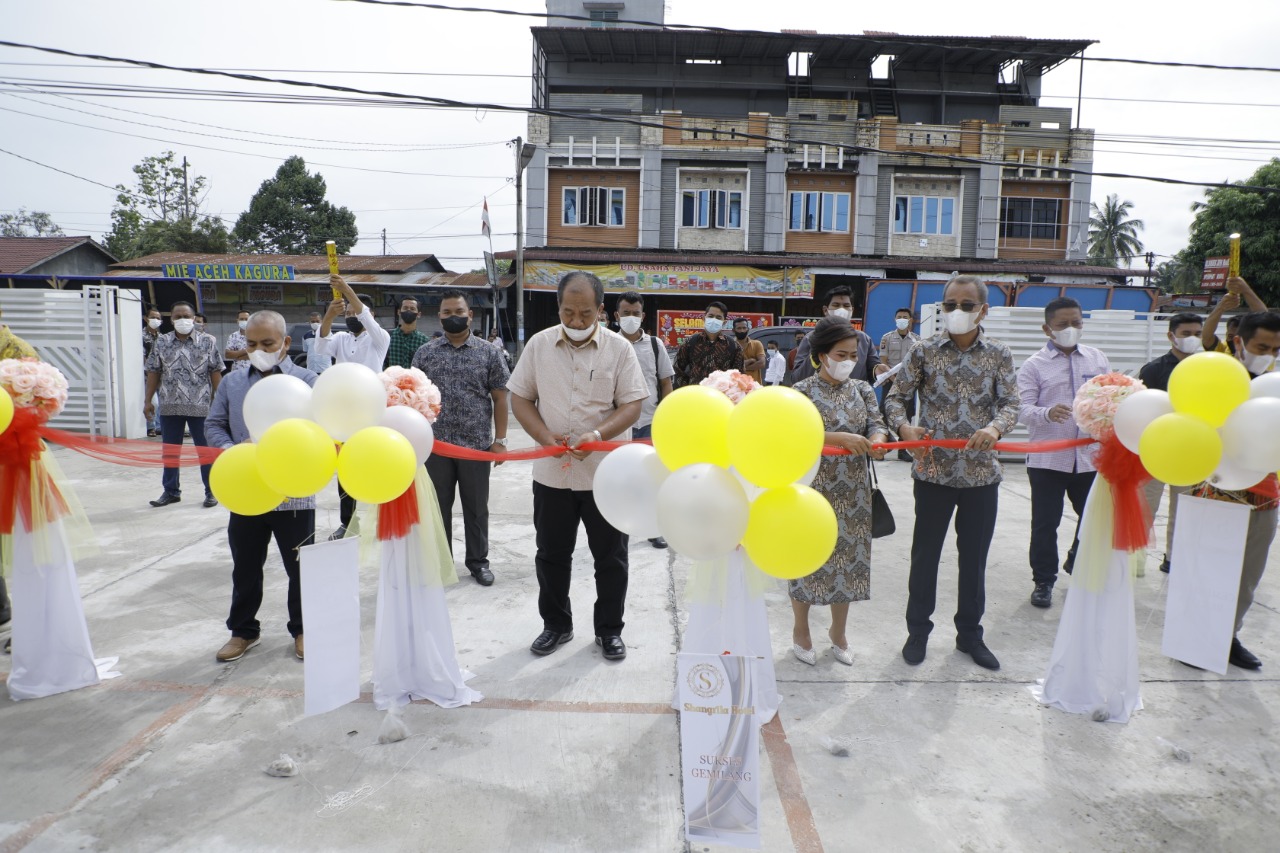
[{"x": 570, "y": 753}]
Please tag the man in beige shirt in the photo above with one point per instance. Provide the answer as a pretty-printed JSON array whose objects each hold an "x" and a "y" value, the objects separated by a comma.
[{"x": 576, "y": 383}]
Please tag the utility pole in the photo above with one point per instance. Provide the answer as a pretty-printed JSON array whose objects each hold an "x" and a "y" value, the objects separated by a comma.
[
  {"x": 384, "y": 241},
  {"x": 186, "y": 192},
  {"x": 1151, "y": 262},
  {"x": 524, "y": 153}
]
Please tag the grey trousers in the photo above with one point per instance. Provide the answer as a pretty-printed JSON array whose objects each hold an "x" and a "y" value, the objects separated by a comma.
[
  {"x": 1257, "y": 544},
  {"x": 1154, "y": 491},
  {"x": 470, "y": 480}
]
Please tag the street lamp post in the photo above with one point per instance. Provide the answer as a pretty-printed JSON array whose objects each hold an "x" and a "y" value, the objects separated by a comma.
[{"x": 524, "y": 153}]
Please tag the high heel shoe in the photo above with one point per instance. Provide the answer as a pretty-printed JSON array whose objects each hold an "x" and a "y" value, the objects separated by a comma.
[
  {"x": 804, "y": 655},
  {"x": 843, "y": 655}
]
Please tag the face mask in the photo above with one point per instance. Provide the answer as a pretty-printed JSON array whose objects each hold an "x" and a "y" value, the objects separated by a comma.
[
  {"x": 742, "y": 336},
  {"x": 1257, "y": 364},
  {"x": 154, "y": 322},
  {"x": 200, "y": 326},
  {"x": 315, "y": 327},
  {"x": 243, "y": 324},
  {"x": 578, "y": 335},
  {"x": 264, "y": 360},
  {"x": 629, "y": 325},
  {"x": 842, "y": 313},
  {"x": 1068, "y": 337},
  {"x": 961, "y": 322},
  {"x": 903, "y": 323},
  {"x": 713, "y": 325},
  {"x": 184, "y": 327},
  {"x": 772, "y": 353},
  {"x": 1190, "y": 346},
  {"x": 408, "y": 317},
  {"x": 840, "y": 370},
  {"x": 354, "y": 326},
  {"x": 455, "y": 325}
]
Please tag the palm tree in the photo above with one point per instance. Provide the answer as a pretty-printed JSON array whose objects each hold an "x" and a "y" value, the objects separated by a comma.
[{"x": 1113, "y": 236}]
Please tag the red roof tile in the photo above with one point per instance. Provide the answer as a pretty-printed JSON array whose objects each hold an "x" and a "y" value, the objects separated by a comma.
[{"x": 18, "y": 254}]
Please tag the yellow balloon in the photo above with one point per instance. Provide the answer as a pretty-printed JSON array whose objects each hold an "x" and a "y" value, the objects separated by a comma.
[
  {"x": 238, "y": 485},
  {"x": 791, "y": 533},
  {"x": 1208, "y": 386},
  {"x": 775, "y": 411},
  {"x": 692, "y": 425},
  {"x": 1179, "y": 449},
  {"x": 376, "y": 465},
  {"x": 6, "y": 409},
  {"x": 297, "y": 457}
]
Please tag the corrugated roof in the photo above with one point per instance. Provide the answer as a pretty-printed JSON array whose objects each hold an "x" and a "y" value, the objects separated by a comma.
[
  {"x": 19, "y": 254},
  {"x": 300, "y": 263}
]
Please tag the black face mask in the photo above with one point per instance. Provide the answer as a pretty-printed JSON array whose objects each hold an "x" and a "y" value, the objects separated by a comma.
[
  {"x": 354, "y": 326},
  {"x": 408, "y": 317},
  {"x": 742, "y": 336},
  {"x": 455, "y": 325}
]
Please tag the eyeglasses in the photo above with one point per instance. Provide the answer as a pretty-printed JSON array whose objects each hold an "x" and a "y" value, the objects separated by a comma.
[{"x": 966, "y": 307}]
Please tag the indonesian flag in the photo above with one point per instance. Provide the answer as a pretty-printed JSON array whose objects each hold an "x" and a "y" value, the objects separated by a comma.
[{"x": 484, "y": 221}]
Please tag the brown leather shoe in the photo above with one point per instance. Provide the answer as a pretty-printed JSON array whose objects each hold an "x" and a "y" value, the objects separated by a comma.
[
  {"x": 235, "y": 649},
  {"x": 297, "y": 646}
]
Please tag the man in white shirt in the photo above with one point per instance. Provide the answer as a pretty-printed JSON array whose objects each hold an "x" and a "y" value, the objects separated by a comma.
[
  {"x": 364, "y": 342},
  {"x": 776, "y": 371}
]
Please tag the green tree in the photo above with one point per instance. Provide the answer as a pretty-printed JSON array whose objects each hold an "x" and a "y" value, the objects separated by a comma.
[
  {"x": 26, "y": 223},
  {"x": 1255, "y": 216},
  {"x": 289, "y": 214},
  {"x": 162, "y": 212},
  {"x": 1175, "y": 276},
  {"x": 1113, "y": 236}
]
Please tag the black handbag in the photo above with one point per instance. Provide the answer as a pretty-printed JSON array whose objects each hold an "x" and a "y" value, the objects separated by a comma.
[{"x": 882, "y": 523}]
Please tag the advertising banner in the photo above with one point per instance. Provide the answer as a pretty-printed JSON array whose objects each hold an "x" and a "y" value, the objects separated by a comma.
[
  {"x": 677, "y": 278},
  {"x": 1215, "y": 273},
  {"x": 675, "y": 326},
  {"x": 229, "y": 272},
  {"x": 719, "y": 749}
]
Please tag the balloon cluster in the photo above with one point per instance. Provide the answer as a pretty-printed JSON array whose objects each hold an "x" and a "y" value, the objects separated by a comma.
[
  {"x": 719, "y": 476},
  {"x": 1213, "y": 425},
  {"x": 296, "y": 431}
]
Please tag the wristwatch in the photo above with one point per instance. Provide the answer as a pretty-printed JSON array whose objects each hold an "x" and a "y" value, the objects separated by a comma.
[{"x": 501, "y": 442}]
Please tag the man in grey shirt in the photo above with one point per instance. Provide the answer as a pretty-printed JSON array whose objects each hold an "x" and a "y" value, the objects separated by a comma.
[{"x": 840, "y": 304}]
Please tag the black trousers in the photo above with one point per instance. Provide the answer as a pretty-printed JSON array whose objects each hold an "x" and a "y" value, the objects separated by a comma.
[
  {"x": 556, "y": 514},
  {"x": 346, "y": 505},
  {"x": 975, "y": 512},
  {"x": 1047, "y": 491},
  {"x": 249, "y": 536},
  {"x": 470, "y": 479}
]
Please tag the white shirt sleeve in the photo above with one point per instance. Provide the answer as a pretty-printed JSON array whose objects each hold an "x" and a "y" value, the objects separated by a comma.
[
  {"x": 379, "y": 338},
  {"x": 323, "y": 344}
]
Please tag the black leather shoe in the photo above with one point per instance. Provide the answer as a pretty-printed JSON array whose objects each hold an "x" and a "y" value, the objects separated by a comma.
[
  {"x": 1069, "y": 563},
  {"x": 549, "y": 641},
  {"x": 165, "y": 500},
  {"x": 483, "y": 576},
  {"x": 978, "y": 650},
  {"x": 210, "y": 501},
  {"x": 339, "y": 533},
  {"x": 1164, "y": 566},
  {"x": 905, "y": 456},
  {"x": 1242, "y": 657},
  {"x": 913, "y": 651},
  {"x": 1042, "y": 596},
  {"x": 614, "y": 648},
  {"x": 658, "y": 542}
]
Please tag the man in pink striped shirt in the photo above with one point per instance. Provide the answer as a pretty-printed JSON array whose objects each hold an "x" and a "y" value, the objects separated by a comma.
[{"x": 1047, "y": 385}]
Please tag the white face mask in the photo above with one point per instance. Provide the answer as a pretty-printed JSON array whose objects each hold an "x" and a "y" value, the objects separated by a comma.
[
  {"x": 842, "y": 313},
  {"x": 1190, "y": 346},
  {"x": 578, "y": 335},
  {"x": 1257, "y": 364},
  {"x": 629, "y": 325},
  {"x": 154, "y": 322},
  {"x": 243, "y": 324},
  {"x": 961, "y": 322},
  {"x": 315, "y": 327},
  {"x": 903, "y": 323},
  {"x": 1068, "y": 337},
  {"x": 264, "y": 360},
  {"x": 840, "y": 370},
  {"x": 184, "y": 327},
  {"x": 713, "y": 325}
]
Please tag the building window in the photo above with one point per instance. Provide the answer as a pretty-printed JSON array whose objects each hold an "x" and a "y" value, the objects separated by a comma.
[
  {"x": 1034, "y": 218},
  {"x": 604, "y": 17},
  {"x": 594, "y": 206},
  {"x": 924, "y": 214},
  {"x": 814, "y": 211},
  {"x": 710, "y": 209}
]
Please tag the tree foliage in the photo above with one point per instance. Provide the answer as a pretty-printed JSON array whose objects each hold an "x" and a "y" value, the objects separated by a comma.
[
  {"x": 289, "y": 214},
  {"x": 162, "y": 213},
  {"x": 1113, "y": 235},
  {"x": 26, "y": 223},
  {"x": 1255, "y": 216}
]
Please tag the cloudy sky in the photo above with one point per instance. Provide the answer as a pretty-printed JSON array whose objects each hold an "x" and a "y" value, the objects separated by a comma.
[{"x": 421, "y": 173}]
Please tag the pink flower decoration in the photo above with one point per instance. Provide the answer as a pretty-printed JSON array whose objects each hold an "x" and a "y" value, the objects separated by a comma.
[
  {"x": 1096, "y": 402},
  {"x": 411, "y": 387},
  {"x": 732, "y": 383},
  {"x": 34, "y": 384}
]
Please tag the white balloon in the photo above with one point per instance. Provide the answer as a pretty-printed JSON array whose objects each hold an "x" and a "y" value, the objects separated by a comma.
[
  {"x": 1231, "y": 476},
  {"x": 626, "y": 489},
  {"x": 751, "y": 489},
  {"x": 414, "y": 426},
  {"x": 347, "y": 398},
  {"x": 1138, "y": 410},
  {"x": 807, "y": 478},
  {"x": 702, "y": 511},
  {"x": 1251, "y": 435},
  {"x": 273, "y": 399},
  {"x": 1266, "y": 385}
]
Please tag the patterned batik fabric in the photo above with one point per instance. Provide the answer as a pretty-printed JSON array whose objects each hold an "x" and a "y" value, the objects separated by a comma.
[{"x": 186, "y": 371}]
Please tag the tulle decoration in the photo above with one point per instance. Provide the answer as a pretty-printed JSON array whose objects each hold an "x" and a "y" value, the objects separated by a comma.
[
  {"x": 731, "y": 383},
  {"x": 27, "y": 491},
  {"x": 411, "y": 387},
  {"x": 1124, "y": 473}
]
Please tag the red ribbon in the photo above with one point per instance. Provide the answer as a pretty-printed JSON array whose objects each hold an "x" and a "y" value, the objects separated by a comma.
[
  {"x": 1123, "y": 471},
  {"x": 22, "y": 479},
  {"x": 396, "y": 517}
]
